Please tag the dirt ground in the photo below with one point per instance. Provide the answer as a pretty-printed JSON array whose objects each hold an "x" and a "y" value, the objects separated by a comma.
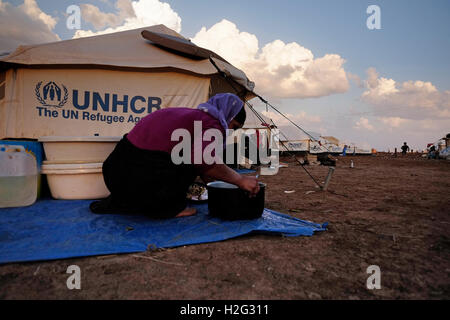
[{"x": 386, "y": 211}]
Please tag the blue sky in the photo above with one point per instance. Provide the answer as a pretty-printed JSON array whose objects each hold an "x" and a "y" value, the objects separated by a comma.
[{"x": 411, "y": 50}]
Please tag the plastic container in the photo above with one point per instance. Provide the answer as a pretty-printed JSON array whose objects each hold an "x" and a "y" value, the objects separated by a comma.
[
  {"x": 35, "y": 148},
  {"x": 18, "y": 177},
  {"x": 84, "y": 148},
  {"x": 75, "y": 181}
]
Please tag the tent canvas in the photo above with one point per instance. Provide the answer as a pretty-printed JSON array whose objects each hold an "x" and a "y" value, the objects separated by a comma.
[
  {"x": 295, "y": 145},
  {"x": 363, "y": 151},
  {"x": 331, "y": 140},
  {"x": 252, "y": 121},
  {"x": 293, "y": 139},
  {"x": 255, "y": 129},
  {"x": 103, "y": 84},
  {"x": 318, "y": 146},
  {"x": 332, "y": 144},
  {"x": 352, "y": 148}
]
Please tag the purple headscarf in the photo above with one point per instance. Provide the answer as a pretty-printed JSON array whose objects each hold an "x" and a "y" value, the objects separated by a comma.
[{"x": 223, "y": 106}]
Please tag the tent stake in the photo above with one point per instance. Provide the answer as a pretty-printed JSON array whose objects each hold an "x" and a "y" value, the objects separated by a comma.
[{"x": 327, "y": 180}]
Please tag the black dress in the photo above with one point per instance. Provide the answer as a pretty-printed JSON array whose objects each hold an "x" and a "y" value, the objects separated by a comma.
[{"x": 144, "y": 182}]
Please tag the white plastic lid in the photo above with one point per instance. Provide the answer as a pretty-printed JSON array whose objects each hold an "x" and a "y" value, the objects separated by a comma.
[
  {"x": 50, "y": 162},
  {"x": 80, "y": 138},
  {"x": 71, "y": 168}
]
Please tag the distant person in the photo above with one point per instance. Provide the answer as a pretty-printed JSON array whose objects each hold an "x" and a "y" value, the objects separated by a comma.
[
  {"x": 432, "y": 152},
  {"x": 405, "y": 148}
]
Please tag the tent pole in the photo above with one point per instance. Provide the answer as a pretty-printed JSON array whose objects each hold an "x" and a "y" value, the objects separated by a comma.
[{"x": 327, "y": 180}]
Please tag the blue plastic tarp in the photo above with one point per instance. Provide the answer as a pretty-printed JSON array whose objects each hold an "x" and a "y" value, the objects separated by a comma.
[{"x": 57, "y": 229}]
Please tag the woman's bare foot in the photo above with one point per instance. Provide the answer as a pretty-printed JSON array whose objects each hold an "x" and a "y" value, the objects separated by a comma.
[{"x": 187, "y": 212}]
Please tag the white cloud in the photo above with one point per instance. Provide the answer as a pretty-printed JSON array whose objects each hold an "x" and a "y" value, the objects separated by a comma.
[
  {"x": 25, "y": 24},
  {"x": 356, "y": 79},
  {"x": 412, "y": 111},
  {"x": 310, "y": 123},
  {"x": 393, "y": 122},
  {"x": 99, "y": 19},
  {"x": 385, "y": 133},
  {"x": 418, "y": 133},
  {"x": 285, "y": 70},
  {"x": 301, "y": 118},
  {"x": 31, "y": 8},
  {"x": 130, "y": 15},
  {"x": 363, "y": 123},
  {"x": 407, "y": 100},
  {"x": 225, "y": 39},
  {"x": 372, "y": 77}
]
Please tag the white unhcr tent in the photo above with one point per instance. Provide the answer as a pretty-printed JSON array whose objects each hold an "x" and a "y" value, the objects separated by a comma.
[
  {"x": 257, "y": 129},
  {"x": 252, "y": 121},
  {"x": 352, "y": 148},
  {"x": 332, "y": 144},
  {"x": 257, "y": 125},
  {"x": 104, "y": 84},
  {"x": 293, "y": 139}
]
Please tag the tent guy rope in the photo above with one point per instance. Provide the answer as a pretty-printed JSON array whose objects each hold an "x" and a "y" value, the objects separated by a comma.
[{"x": 232, "y": 83}]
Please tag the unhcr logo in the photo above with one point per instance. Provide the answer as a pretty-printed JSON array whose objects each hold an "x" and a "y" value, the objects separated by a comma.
[
  {"x": 51, "y": 95},
  {"x": 92, "y": 105}
]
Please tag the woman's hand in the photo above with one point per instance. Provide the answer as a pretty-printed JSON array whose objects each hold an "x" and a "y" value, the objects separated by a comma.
[
  {"x": 249, "y": 184},
  {"x": 224, "y": 173}
]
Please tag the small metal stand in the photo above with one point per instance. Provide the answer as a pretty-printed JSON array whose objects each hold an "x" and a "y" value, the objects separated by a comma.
[{"x": 327, "y": 180}]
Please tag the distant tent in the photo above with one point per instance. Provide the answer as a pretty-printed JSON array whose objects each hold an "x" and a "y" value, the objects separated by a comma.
[
  {"x": 257, "y": 129},
  {"x": 254, "y": 121},
  {"x": 104, "y": 84},
  {"x": 352, "y": 148},
  {"x": 293, "y": 139},
  {"x": 332, "y": 144}
]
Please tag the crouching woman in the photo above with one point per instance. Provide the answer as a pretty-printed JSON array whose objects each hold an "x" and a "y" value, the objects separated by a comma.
[{"x": 140, "y": 173}]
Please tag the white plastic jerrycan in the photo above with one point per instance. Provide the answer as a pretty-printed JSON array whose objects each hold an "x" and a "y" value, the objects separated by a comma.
[{"x": 18, "y": 177}]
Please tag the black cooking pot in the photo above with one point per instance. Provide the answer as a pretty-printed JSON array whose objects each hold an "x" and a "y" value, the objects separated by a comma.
[{"x": 229, "y": 202}]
